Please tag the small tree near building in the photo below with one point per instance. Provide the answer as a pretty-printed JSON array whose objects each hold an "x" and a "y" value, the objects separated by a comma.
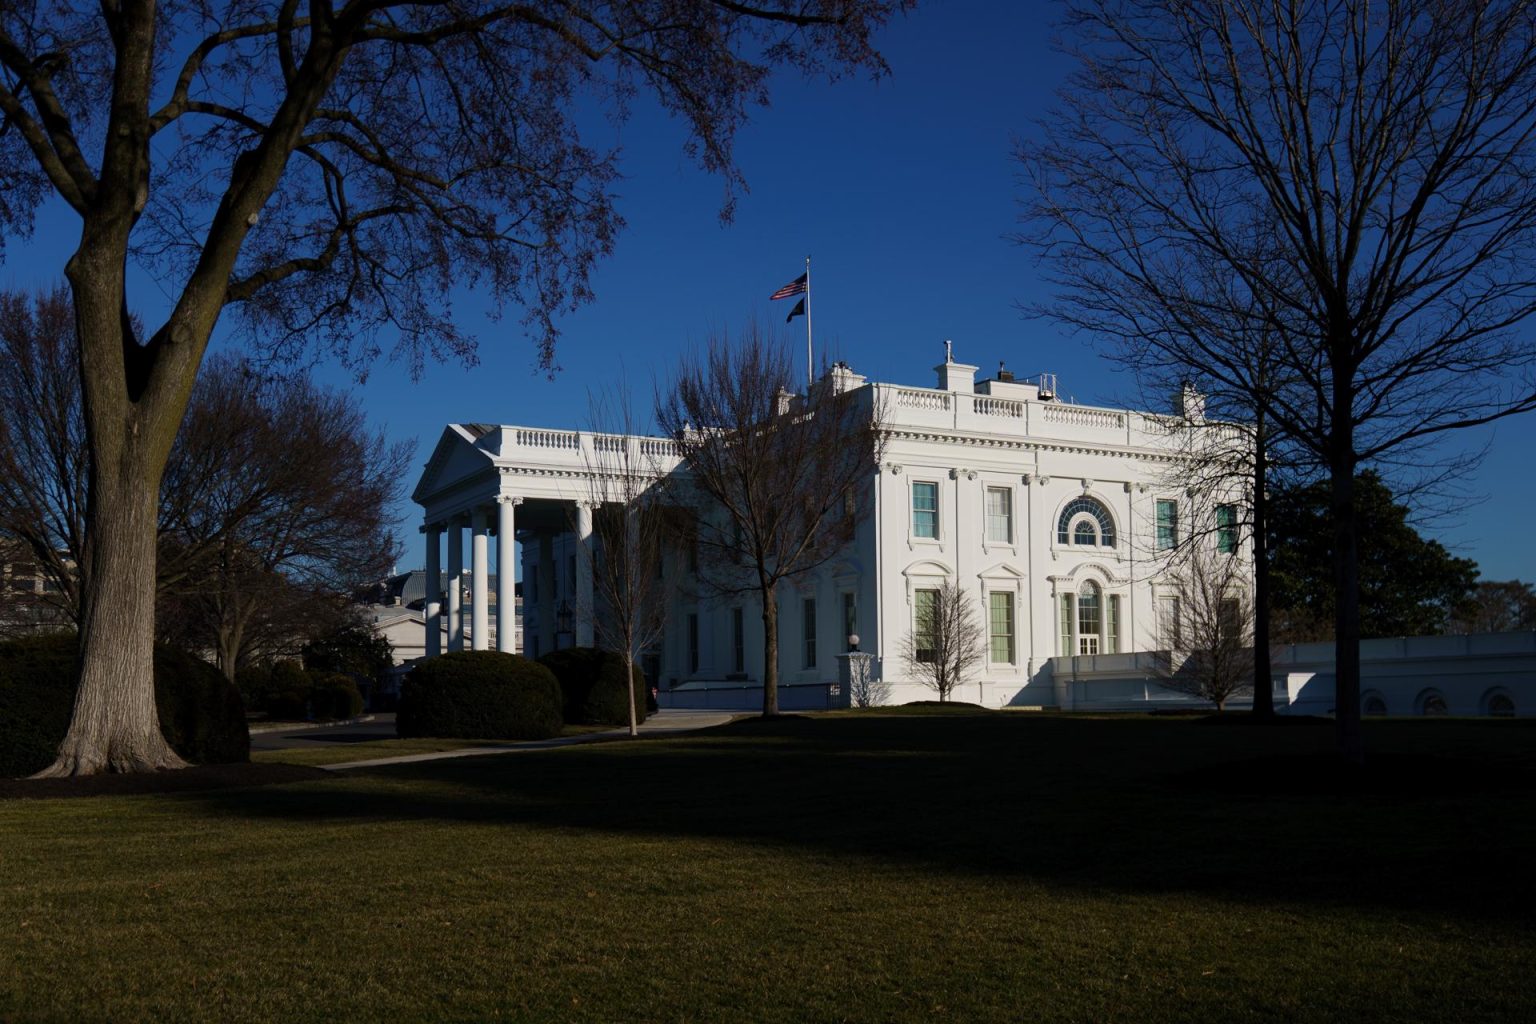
[
  {"x": 946, "y": 639},
  {"x": 1210, "y": 653},
  {"x": 628, "y": 527},
  {"x": 776, "y": 478}
]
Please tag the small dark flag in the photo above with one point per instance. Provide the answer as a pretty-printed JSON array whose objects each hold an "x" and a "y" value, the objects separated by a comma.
[
  {"x": 799, "y": 310},
  {"x": 795, "y": 287}
]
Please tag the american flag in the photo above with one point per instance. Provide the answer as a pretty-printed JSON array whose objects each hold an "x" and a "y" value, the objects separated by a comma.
[{"x": 795, "y": 287}]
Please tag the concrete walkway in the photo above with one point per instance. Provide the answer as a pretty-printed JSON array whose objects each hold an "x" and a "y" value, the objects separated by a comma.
[{"x": 662, "y": 723}]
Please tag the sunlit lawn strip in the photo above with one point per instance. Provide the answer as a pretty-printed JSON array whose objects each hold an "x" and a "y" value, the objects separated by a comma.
[
  {"x": 967, "y": 868},
  {"x": 343, "y": 753}
]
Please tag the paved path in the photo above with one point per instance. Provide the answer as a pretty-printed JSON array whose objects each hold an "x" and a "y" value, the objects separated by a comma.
[
  {"x": 664, "y": 722},
  {"x": 325, "y": 734}
]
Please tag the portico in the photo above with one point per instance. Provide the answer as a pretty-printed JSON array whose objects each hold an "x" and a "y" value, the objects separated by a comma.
[{"x": 533, "y": 487}]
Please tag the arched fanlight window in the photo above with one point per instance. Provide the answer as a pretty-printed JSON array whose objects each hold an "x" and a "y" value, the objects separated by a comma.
[{"x": 1085, "y": 522}]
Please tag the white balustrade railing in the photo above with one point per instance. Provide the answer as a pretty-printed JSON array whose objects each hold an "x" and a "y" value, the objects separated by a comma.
[
  {"x": 568, "y": 440},
  {"x": 1077, "y": 415},
  {"x": 935, "y": 401},
  {"x": 998, "y": 407}
]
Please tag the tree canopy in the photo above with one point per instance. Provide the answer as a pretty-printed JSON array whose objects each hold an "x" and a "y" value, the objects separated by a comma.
[{"x": 1409, "y": 586}]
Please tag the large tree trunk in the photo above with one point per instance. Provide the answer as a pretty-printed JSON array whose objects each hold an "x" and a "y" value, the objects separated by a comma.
[
  {"x": 1346, "y": 655},
  {"x": 1263, "y": 677},
  {"x": 770, "y": 652},
  {"x": 115, "y": 726}
]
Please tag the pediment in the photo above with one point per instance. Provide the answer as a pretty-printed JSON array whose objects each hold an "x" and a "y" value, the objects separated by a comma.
[
  {"x": 461, "y": 452},
  {"x": 927, "y": 567}
]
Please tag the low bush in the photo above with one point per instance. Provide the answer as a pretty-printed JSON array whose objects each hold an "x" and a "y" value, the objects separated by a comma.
[
  {"x": 479, "y": 695},
  {"x": 592, "y": 686},
  {"x": 201, "y": 714},
  {"x": 334, "y": 695}
]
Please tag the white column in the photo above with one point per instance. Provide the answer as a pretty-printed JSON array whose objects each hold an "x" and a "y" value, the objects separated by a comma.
[
  {"x": 585, "y": 606},
  {"x": 434, "y": 603},
  {"x": 506, "y": 574},
  {"x": 480, "y": 568},
  {"x": 455, "y": 586}
]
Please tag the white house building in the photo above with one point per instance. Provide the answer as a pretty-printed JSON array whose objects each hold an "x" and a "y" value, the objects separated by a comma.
[{"x": 1050, "y": 514}]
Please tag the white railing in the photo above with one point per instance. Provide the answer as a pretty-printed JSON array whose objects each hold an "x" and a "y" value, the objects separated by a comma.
[
  {"x": 935, "y": 401},
  {"x": 658, "y": 447},
  {"x": 563, "y": 439},
  {"x": 998, "y": 407},
  {"x": 1082, "y": 417}
]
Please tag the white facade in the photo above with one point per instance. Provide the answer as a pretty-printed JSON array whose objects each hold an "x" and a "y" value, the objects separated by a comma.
[{"x": 976, "y": 484}]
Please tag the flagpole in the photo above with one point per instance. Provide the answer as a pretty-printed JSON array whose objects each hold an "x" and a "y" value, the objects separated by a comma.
[{"x": 810, "y": 371}]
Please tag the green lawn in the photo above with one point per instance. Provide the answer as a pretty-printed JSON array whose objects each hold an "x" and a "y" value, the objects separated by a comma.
[
  {"x": 987, "y": 867},
  {"x": 343, "y": 753}
]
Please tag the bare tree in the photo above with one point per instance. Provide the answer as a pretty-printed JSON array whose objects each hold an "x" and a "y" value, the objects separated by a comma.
[
  {"x": 278, "y": 499},
  {"x": 1354, "y": 176},
  {"x": 776, "y": 479},
  {"x": 42, "y": 443},
  {"x": 334, "y": 171},
  {"x": 865, "y": 689},
  {"x": 946, "y": 638},
  {"x": 629, "y": 529},
  {"x": 1215, "y": 636}
]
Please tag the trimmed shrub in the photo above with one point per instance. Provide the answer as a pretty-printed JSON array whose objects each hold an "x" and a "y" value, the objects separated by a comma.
[
  {"x": 201, "y": 714},
  {"x": 479, "y": 695},
  {"x": 592, "y": 686},
  {"x": 255, "y": 685},
  {"x": 335, "y": 695}
]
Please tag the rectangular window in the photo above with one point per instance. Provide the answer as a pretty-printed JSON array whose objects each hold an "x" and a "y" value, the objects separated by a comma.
[
  {"x": 925, "y": 509},
  {"x": 1169, "y": 622},
  {"x": 1000, "y": 606},
  {"x": 693, "y": 644},
  {"x": 1167, "y": 525},
  {"x": 850, "y": 616},
  {"x": 1230, "y": 622},
  {"x": 925, "y": 639},
  {"x": 1226, "y": 529},
  {"x": 1000, "y": 515},
  {"x": 808, "y": 618},
  {"x": 738, "y": 641},
  {"x": 1112, "y": 625},
  {"x": 1066, "y": 624}
]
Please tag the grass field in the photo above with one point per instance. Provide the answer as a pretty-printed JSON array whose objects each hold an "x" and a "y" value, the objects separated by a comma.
[{"x": 990, "y": 867}]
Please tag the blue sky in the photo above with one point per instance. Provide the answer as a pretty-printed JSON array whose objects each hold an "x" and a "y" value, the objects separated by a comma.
[{"x": 902, "y": 191}]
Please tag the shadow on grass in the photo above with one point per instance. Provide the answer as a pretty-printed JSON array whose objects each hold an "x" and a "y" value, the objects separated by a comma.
[{"x": 1132, "y": 805}]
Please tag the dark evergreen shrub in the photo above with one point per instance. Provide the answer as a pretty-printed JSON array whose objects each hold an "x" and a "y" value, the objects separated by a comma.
[
  {"x": 479, "y": 695},
  {"x": 255, "y": 685},
  {"x": 592, "y": 686},
  {"x": 201, "y": 714},
  {"x": 334, "y": 695}
]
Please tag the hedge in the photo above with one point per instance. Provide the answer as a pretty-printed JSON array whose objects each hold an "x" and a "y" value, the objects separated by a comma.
[
  {"x": 480, "y": 695},
  {"x": 592, "y": 686},
  {"x": 201, "y": 714}
]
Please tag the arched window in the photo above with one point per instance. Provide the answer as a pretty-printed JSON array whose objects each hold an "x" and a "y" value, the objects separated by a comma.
[
  {"x": 1089, "y": 618},
  {"x": 1432, "y": 703},
  {"x": 1373, "y": 704},
  {"x": 1085, "y": 522},
  {"x": 1499, "y": 704}
]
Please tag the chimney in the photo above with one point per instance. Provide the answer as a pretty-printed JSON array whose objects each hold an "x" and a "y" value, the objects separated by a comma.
[
  {"x": 1004, "y": 374},
  {"x": 955, "y": 376},
  {"x": 843, "y": 378},
  {"x": 782, "y": 401},
  {"x": 1190, "y": 404}
]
